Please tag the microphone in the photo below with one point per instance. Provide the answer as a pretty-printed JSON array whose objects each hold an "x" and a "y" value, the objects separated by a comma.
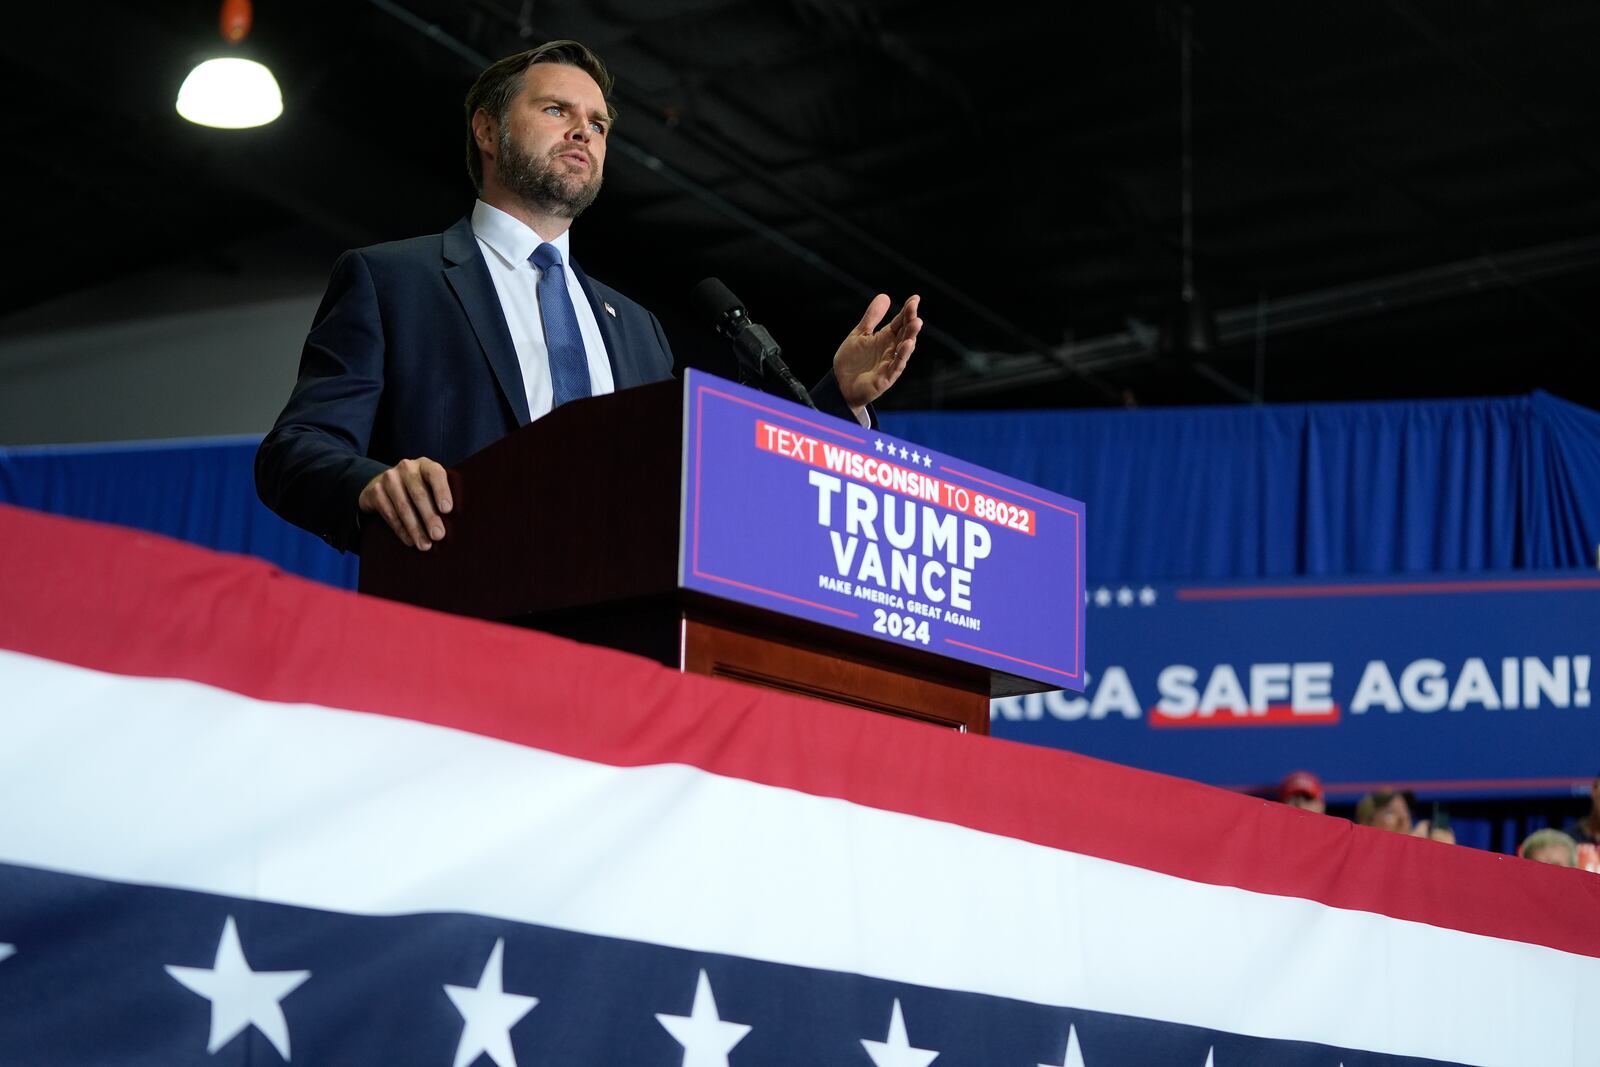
[{"x": 752, "y": 344}]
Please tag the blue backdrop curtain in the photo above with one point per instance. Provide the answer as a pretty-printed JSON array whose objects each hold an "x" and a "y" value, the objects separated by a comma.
[
  {"x": 1443, "y": 486},
  {"x": 1317, "y": 489},
  {"x": 198, "y": 490}
]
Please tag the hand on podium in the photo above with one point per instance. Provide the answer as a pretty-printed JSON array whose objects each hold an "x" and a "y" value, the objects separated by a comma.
[{"x": 411, "y": 495}]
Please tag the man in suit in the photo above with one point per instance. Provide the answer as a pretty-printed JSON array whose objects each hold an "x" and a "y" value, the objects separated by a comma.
[{"x": 424, "y": 351}]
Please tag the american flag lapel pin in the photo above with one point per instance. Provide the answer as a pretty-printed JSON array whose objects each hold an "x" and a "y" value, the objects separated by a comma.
[{"x": 609, "y": 309}]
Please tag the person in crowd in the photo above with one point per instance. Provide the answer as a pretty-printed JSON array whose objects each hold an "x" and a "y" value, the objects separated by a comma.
[
  {"x": 1385, "y": 809},
  {"x": 1585, "y": 830},
  {"x": 1549, "y": 846},
  {"x": 1302, "y": 789},
  {"x": 1390, "y": 809}
]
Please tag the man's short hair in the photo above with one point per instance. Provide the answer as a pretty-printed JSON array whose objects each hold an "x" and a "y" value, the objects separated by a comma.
[
  {"x": 1369, "y": 806},
  {"x": 1547, "y": 838},
  {"x": 497, "y": 86}
]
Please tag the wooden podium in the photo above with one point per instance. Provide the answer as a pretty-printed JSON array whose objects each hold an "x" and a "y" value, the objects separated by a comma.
[{"x": 571, "y": 525}]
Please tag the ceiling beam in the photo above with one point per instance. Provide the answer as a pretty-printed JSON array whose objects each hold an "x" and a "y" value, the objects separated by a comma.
[{"x": 999, "y": 372}]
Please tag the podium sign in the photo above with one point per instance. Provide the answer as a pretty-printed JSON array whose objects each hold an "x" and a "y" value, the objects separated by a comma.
[{"x": 795, "y": 512}]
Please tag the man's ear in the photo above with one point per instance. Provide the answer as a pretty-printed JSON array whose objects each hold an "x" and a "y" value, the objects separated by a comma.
[{"x": 485, "y": 132}]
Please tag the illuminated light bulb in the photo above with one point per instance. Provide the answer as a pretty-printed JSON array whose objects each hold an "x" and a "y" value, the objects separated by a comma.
[{"x": 230, "y": 94}]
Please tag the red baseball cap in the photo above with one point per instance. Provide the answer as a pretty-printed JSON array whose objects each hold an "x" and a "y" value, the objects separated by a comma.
[{"x": 1300, "y": 784}]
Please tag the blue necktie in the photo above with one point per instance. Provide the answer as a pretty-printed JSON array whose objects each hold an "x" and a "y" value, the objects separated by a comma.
[{"x": 569, "y": 365}]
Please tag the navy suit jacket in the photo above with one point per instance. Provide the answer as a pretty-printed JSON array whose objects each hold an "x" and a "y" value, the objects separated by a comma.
[{"x": 409, "y": 355}]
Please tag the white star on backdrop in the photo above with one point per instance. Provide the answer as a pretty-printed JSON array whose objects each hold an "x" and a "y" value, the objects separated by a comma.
[
  {"x": 1073, "y": 1056},
  {"x": 1147, "y": 596},
  {"x": 1102, "y": 597},
  {"x": 896, "y": 1050},
  {"x": 489, "y": 1013},
  {"x": 7, "y": 950},
  {"x": 240, "y": 997},
  {"x": 1125, "y": 596},
  {"x": 705, "y": 1038}
]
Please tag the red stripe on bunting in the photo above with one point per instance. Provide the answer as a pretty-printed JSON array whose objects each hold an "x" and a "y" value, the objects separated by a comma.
[{"x": 134, "y": 603}]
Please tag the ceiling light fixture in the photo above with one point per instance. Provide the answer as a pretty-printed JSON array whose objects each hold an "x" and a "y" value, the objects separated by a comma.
[{"x": 231, "y": 92}]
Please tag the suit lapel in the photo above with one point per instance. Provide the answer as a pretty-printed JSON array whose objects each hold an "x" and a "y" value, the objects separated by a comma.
[
  {"x": 610, "y": 331},
  {"x": 469, "y": 278}
]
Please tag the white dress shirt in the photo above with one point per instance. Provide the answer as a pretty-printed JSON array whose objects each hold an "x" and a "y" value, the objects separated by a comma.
[{"x": 506, "y": 245}]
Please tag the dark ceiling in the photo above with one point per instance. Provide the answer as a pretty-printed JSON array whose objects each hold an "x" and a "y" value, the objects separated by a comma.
[{"x": 1391, "y": 198}]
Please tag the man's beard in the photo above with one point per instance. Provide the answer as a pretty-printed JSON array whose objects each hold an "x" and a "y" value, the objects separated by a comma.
[{"x": 544, "y": 183}]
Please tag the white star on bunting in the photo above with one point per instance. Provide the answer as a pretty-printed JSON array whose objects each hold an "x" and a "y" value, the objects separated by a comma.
[
  {"x": 7, "y": 950},
  {"x": 488, "y": 1013},
  {"x": 705, "y": 1038},
  {"x": 240, "y": 997},
  {"x": 1073, "y": 1056},
  {"x": 896, "y": 1050}
]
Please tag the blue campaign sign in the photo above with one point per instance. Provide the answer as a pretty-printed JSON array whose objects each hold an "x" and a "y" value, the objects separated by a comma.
[
  {"x": 1461, "y": 687},
  {"x": 812, "y": 516}
]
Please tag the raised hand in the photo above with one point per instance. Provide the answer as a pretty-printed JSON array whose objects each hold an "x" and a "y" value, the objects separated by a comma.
[{"x": 871, "y": 358}]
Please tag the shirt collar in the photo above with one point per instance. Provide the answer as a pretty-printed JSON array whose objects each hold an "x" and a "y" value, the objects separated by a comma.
[{"x": 510, "y": 238}]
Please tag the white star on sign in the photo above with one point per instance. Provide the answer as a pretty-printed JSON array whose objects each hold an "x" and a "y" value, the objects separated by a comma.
[
  {"x": 896, "y": 1050},
  {"x": 1074, "y": 1055},
  {"x": 927, "y": 461},
  {"x": 878, "y": 444},
  {"x": 916, "y": 457},
  {"x": 240, "y": 997},
  {"x": 489, "y": 1013},
  {"x": 705, "y": 1038},
  {"x": 1102, "y": 596},
  {"x": 903, "y": 452},
  {"x": 1125, "y": 596},
  {"x": 1147, "y": 596},
  {"x": 7, "y": 950}
]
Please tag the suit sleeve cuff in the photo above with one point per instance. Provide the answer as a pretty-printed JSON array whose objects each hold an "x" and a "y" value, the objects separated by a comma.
[{"x": 826, "y": 395}]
